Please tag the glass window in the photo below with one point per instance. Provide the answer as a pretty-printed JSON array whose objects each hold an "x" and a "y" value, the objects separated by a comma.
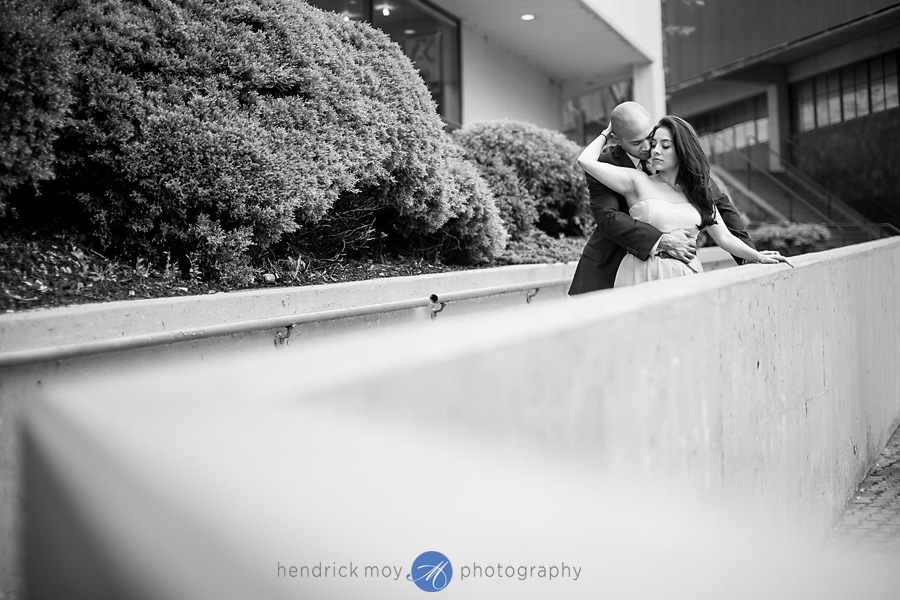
[
  {"x": 706, "y": 144},
  {"x": 724, "y": 141},
  {"x": 890, "y": 82},
  {"x": 834, "y": 98},
  {"x": 848, "y": 93},
  {"x": 862, "y": 90},
  {"x": 357, "y": 10},
  {"x": 805, "y": 114},
  {"x": 876, "y": 74},
  {"x": 741, "y": 135},
  {"x": 821, "y": 88},
  {"x": 429, "y": 37},
  {"x": 431, "y": 40}
]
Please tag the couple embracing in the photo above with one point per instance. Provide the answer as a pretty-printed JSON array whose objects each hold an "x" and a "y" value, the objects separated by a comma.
[{"x": 650, "y": 196}]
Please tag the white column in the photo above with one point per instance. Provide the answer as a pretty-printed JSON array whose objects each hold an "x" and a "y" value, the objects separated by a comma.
[
  {"x": 650, "y": 78},
  {"x": 650, "y": 88}
]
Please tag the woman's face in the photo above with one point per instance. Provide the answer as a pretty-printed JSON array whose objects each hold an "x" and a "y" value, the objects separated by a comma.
[{"x": 662, "y": 150}]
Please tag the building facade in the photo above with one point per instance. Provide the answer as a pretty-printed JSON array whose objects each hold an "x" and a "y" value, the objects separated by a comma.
[
  {"x": 811, "y": 84},
  {"x": 558, "y": 65}
]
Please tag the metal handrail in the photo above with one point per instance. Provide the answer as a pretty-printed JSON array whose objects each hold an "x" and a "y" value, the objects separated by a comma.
[
  {"x": 887, "y": 226},
  {"x": 808, "y": 182},
  {"x": 816, "y": 189},
  {"x": 106, "y": 346},
  {"x": 890, "y": 227},
  {"x": 828, "y": 166},
  {"x": 791, "y": 194}
]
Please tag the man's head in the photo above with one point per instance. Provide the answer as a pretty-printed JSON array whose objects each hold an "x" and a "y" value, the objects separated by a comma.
[{"x": 631, "y": 124}]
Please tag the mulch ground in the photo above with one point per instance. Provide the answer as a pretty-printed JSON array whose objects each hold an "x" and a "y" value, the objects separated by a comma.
[{"x": 50, "y": 270}]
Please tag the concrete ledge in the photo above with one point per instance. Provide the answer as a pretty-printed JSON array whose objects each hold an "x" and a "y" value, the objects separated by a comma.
[
  {"x": 114, "y": 320},
  {"x": 765, "y": 389},
  {"x": 89, "y": 322}
]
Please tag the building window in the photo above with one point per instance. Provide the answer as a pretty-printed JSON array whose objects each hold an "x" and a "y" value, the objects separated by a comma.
[
  {"x": 733, "y": 127},
  {"x": 806, "y": 108},
  {"x": 428, "y": 36},
  {"x": 357, "y": 10},
  {"x": 862, "y": 89},
  {"x": 848, "y": 93}
]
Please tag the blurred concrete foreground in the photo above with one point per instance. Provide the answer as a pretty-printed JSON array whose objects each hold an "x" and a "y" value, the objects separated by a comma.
[{"x": 692, "y": 438}]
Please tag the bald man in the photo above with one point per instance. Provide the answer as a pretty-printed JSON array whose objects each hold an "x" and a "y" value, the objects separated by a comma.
[{"x": 617, "y": 232}]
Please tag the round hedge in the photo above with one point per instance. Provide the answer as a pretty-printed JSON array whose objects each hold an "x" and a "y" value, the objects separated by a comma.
[
  {"x": 209, "y": 131},
  {"x": 34, "y": 94},
  {"x": 475, "y": 233},
  {"x": 533, "y": 173}
]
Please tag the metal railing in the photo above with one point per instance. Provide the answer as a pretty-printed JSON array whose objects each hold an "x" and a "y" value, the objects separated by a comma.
[
  {"x": 828, "y": 167},
  {"x": 826, "y": 197},
  {"x": 791, "y": 195},
  {"x": 436, "y": 302}
]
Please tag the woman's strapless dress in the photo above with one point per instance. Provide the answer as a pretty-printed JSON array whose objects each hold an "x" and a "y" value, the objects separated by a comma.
[{"x": 666, "y": 217}]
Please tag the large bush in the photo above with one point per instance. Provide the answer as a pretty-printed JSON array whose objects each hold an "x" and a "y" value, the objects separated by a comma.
[
  {"x": 209, "y": 131},
  {"x": 476, "y": 232},
  {"x": 533, "y": 173},
  {"x": 34, "y": 93}
]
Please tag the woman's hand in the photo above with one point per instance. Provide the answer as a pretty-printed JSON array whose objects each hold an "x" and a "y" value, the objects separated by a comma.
[
  {"x": 772, "y": 257},
  {"x": 608, "y": 132}
]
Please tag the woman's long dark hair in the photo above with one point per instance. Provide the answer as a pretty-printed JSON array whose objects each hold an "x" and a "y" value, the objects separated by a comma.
[{"x": 693, "y": 171}]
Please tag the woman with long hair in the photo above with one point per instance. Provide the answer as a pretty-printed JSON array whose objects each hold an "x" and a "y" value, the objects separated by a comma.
[{"x": 676, "y": 196}]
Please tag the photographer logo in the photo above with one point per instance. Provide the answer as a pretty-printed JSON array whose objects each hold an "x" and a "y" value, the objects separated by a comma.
[{"x": 431, "y": 571}]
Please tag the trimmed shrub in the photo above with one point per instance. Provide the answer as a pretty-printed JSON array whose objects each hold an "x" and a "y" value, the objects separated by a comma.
[
  {"x": 533, "y": 173},
  {"x": 210, "y": 131},
  {"x": 34, "y": 94},
  {"x": 791, "y": 238},
  {"x": 476, "y": 232}
]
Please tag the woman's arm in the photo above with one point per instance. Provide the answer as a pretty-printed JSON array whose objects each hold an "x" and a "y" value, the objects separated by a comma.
[
  {"x": 619, "y": 179},
  {"x": 734, "y": 246}
]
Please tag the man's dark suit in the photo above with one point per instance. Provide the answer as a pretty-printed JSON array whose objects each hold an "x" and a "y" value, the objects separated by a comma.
[{"x": 617, "y": 232}]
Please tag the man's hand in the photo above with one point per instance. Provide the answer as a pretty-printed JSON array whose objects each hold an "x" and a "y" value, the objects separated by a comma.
[{"x": 680, "y": 244}]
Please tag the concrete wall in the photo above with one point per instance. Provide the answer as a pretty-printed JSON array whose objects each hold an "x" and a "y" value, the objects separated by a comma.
[
  {"x": 142, "y": 319},
  {"x": 769, "y": 387},
  {"x": 498, "y": 84},
  {"x": 85, "y": 324},
  {"x": 766, "y": 389}
]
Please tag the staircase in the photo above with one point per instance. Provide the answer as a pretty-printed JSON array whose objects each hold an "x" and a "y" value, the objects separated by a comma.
[
  {"x": 791, "y": 195},
  {"x": 852, "y": 227}
]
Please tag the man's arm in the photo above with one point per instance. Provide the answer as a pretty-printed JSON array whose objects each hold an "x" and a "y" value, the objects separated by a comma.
[
  {"x": 613, "y": 223},
  {"x": 635, "y": 236}
]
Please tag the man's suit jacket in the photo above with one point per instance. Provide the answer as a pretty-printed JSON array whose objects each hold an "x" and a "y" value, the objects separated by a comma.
[{"x": 618, "y": 232}]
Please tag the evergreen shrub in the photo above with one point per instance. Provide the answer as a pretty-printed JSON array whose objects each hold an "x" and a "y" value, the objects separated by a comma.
[
  {"x": 34, "y": 94},
  {"x": 210, "y": 132},
  {"x": 476, "y": 232},
  {"x": 534, "y": 175}
]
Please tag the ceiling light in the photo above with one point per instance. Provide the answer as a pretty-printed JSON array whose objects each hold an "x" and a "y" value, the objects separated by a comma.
[
  {"x": 528, "y": 17},
  {"x": 386, "y": 11},
  {"x": 409, "y": 31}
]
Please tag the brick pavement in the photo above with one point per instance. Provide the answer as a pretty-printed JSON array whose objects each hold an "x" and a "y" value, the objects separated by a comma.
[{"x": 871, "y": 521}]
